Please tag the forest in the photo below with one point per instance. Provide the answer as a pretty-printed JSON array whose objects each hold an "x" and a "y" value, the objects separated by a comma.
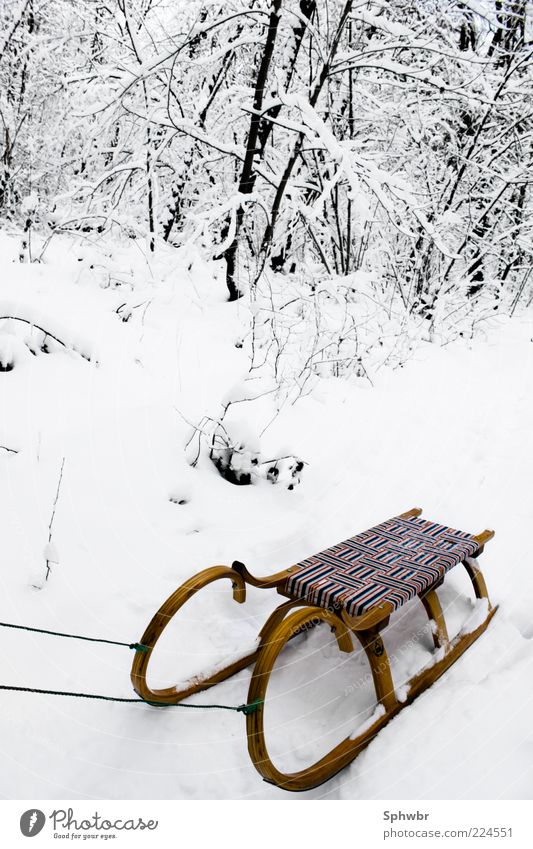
[{"x": 362, "y": 150}]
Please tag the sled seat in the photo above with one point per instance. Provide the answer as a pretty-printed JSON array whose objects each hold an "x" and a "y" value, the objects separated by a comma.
[{"x": 390, "y": 563}]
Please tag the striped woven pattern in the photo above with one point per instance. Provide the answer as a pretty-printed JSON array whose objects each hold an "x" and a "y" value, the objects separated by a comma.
[{"x": 392, "y": 562}]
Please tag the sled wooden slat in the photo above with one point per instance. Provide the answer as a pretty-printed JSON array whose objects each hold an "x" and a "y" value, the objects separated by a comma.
[{"x": 366, "y": 625}]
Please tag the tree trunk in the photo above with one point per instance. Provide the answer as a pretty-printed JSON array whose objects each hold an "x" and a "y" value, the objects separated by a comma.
[
  {"x": 248, "y": 175},
  {"x": 276, "y": 206}
]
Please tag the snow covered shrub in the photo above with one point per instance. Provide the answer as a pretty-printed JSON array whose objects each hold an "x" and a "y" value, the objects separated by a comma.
[
  {"x": 236, "y": 458},
  {"x": 235, "y": 452},
  {"x": 309, "y": 325},
  {"x": 287, "y": 470},
  {"x": 240, "y": 464}
]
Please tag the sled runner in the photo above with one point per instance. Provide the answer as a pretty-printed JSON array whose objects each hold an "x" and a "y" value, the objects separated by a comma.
[{"x": 355, "y": 587}]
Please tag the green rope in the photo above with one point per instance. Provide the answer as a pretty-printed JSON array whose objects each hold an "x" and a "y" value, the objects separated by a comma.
[
  {"x": 136, "y": 646},
  {"x": 246, "y": 709}
]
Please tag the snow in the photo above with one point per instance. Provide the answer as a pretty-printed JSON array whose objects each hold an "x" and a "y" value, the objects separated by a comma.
[
  {"x": 451, "y": 432},
  {"x": 7, "y": 354},
  {"x": 380, "y": 21},
  {"x": 477, "y": 617},
  {"x": 376, "y": 714}
]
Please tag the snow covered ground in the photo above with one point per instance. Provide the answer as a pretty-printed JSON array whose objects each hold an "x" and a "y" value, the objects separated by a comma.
[{"x": 451, "y": 432}]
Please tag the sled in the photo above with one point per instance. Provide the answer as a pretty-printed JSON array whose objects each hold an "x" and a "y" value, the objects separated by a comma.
[{"x": 354, "y": 587}]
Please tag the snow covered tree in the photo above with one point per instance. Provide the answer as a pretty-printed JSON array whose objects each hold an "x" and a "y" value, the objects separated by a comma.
[{"x": 376, "y": 150}]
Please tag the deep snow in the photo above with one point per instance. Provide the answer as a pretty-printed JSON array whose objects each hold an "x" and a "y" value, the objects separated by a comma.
[{"x": 451, "y": 432}]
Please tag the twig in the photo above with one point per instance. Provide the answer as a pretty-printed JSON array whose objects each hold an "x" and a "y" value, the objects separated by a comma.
[
  {"x": 10, "y": 450},
  {"x": 52, "y": 517},
  {"x": 32, "y": 324}
]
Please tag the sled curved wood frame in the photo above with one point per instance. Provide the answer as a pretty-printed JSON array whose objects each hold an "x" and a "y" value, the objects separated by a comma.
[{"x": 284, "y": 624}]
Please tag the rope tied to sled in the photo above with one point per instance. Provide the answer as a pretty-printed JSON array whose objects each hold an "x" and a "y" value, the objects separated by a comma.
[
  {"x": 136, "y": 646},
  {"x": 246, "y": 709}
]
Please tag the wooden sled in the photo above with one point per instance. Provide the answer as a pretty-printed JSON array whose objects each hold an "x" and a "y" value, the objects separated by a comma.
[{"x": 354, "y": 587}]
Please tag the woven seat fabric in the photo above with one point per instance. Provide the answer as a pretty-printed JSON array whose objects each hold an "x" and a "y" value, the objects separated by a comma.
[{"x": 392, "y": 562}]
